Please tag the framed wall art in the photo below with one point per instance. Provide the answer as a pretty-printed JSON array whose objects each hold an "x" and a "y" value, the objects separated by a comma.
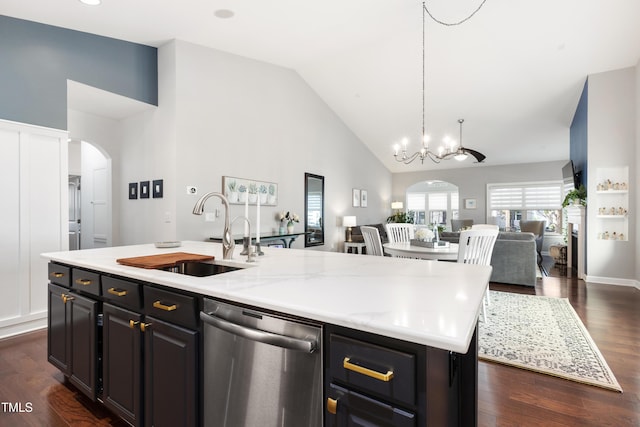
[
  {"x": 469, "y": 203},
  {"x": 363, "y": 198},
  {"x": 356, "y": 197},
  {"x": 144, "y": 189},
  {"x": 133, "y": 190},
  {"x": 157, "y": 188},
  {"x": 239, "y": 190}
]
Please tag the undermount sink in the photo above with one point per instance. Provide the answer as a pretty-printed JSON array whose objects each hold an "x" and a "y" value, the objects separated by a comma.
[{"x": 201, "y": 268}]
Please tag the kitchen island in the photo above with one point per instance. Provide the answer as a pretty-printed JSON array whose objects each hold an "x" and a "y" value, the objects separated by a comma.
[{"x": 426, "y": 309}]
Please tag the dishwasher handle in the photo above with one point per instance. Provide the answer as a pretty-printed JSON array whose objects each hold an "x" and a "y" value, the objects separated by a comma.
[{"x": 290, "y": 343}]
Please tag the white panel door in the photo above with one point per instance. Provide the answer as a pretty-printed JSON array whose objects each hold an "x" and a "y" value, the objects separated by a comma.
[
  {"x": 33, "y": 220},
  {"x": 96, "y": 198},
  {"x": 47, "y": 190}
]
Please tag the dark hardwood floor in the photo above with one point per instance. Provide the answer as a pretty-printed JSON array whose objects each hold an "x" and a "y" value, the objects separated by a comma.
[
  {"x": 507, "y": 396},
  {"x": 515, "y": 397}
]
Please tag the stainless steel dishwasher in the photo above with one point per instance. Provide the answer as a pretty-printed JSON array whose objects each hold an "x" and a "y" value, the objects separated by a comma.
[{"x": 260, "y": 369}]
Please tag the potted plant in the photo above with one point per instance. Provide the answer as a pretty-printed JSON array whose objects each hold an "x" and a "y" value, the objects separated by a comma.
[
  {"x": 576, "y": 196},
  {"x": 401, "y": 217},
  {"x": 233, "y": 191}
]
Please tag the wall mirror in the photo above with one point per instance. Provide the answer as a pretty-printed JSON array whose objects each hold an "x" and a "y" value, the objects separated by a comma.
[{"x": 313, "y": 210}]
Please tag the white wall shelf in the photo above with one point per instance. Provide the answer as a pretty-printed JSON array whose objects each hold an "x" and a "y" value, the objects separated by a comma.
[{"x": 612, "y": 200}]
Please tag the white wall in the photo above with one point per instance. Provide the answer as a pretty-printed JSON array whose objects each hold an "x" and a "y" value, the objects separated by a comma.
[
  {"x": 472, "y": 181},
  {"x": 612, "y": 138},
  {"x": 637, "y": 175},
  {"x": 221, "y": 114}
]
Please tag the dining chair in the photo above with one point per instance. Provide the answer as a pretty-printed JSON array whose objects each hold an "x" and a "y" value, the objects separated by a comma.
[
  {"x": 397, "y": 232},
  {"x": 372, "y": 240},
  {"x": 476, "y": 247}
]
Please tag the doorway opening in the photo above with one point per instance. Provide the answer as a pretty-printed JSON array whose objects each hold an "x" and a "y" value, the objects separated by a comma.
[{"x": 90, "y": 198}]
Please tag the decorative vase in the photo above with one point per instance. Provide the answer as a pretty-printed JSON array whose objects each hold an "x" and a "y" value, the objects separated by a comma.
[
  {"x": 282, "y": 230},
  {"x": 253, "y": 198},
  {"x": 233, "y": 197},
  {"x": 289, "y": 229}
]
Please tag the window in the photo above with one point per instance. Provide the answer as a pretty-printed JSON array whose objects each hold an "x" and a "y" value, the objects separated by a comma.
[
  {"x": 438, "y": 203},
  {"x": 508, "y": 204},
  {"x": 416, "y": 203}
]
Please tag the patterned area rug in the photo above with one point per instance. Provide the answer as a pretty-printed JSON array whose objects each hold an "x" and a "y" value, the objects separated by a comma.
[{"x": 542, "y": 334}]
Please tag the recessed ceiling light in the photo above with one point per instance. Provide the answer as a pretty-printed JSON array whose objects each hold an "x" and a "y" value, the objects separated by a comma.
[
  {"x": 91, "y": 2},
  {"x": 224, "y": 13}
]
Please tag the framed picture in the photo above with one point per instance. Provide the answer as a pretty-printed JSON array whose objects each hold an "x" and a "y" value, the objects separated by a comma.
[
  {"x": 356, "y": 198},
  {"x": 363, "y": 198},
  {"x": 144, "y": 189},
  {"x": 157, "y": 188},
  {"x": 469, "y": 203},
  {"x": 239, "y": 190},
  {"x": 133, "y": 190}
]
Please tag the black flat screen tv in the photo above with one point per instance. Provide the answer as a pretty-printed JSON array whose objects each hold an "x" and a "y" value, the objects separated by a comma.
[{"x": 570, "y": 178}]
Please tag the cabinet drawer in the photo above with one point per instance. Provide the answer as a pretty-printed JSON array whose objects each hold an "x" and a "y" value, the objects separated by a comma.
[
  {"x": 171, "y": 306},
  {"x": 380, "y": 370},
  {"x": 122, "y": 292},
  {"x": 60, "y": 275},
  {"x": 349, "y": 408},
  {"x": 85, "y": 281}
]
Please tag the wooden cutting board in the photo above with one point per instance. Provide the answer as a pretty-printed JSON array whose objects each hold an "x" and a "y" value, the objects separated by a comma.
[{"x": 162, "y": 260}]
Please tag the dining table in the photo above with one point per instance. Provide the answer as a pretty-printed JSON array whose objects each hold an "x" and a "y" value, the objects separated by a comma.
[{"x": 408, "y": 250}]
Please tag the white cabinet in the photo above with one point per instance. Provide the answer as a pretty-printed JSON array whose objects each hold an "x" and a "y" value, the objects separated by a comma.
[
  {"x": 33, "y": 220},
  {"x": 612, "y": 203}
]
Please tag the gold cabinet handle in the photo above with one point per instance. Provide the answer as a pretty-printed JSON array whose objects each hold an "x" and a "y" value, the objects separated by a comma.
[
  {"x": 117, "y": 292},
  {"x": 133, "y": 323},
  {"x": 66, "y": 298},
  {"x": 144, "y": 326},
  {"x": 57, "y": 275},
  {"x": 161, "y": 306},
  {"x": 332, "y": 405},
  {"x": 366, "y": 371},
  {"x": 83, "y": 282}
]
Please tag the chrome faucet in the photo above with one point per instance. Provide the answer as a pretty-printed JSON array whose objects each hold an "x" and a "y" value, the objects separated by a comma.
[{"x": 227, "y": 242}]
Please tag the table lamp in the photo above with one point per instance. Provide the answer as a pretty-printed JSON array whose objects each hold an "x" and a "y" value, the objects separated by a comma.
[
  {"x": 349, "y": 221},
  {"x": 396, "y": 205}
]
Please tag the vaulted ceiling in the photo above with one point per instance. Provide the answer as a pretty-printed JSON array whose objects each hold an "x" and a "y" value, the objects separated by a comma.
[{"x": 514, "y": 71}]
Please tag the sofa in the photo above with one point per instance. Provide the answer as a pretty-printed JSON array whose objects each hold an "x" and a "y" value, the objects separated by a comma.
[
  {"x": 356, "y": 233},
  {"x": 514, "y": 258}
]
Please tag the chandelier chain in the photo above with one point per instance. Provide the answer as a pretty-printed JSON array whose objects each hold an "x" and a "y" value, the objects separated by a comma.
[
  {"x": 453, "y": 24},
  {"x": 449, "y": 151}
]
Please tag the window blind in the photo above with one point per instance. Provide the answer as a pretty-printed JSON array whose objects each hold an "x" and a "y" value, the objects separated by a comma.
[
  {"x": 415, "y": 201},
  {"x": 538, "y": 195},
  {"x": 438, "y": 201}
]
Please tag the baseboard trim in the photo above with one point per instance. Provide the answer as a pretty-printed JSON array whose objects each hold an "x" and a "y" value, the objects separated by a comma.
[
  {"x": 23, "y": 325},
  {"x": 612, "y": 281}
]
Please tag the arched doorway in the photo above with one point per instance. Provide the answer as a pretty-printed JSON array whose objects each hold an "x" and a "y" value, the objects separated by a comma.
[
  {"x": 433, "y": 202},
  {"x": 90, "y": 200}
]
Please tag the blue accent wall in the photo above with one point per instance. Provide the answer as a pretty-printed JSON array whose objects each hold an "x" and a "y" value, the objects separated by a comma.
[
  {"x": 578, "y": 135},
  {"x": 36, "y": 60}
]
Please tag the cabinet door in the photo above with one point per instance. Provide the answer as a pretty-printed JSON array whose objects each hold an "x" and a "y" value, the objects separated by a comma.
[
  {"x": 82, "y": 321},
  {"x": 171, "y": 365},
  {"x": 58, "y": 340},
  {"x": 122, "y": 363}
]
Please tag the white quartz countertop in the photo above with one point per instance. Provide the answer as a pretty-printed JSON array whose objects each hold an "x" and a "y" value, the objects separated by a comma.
[{"x": 432, "y": 303}]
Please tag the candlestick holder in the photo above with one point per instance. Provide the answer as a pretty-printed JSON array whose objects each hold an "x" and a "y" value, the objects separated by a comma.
[
  {"x": 258, "y": 249},
  {"x": 245, "y": 245}
]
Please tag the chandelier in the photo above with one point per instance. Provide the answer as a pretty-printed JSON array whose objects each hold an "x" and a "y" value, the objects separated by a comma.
[{"x": 449, "y": 150}]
